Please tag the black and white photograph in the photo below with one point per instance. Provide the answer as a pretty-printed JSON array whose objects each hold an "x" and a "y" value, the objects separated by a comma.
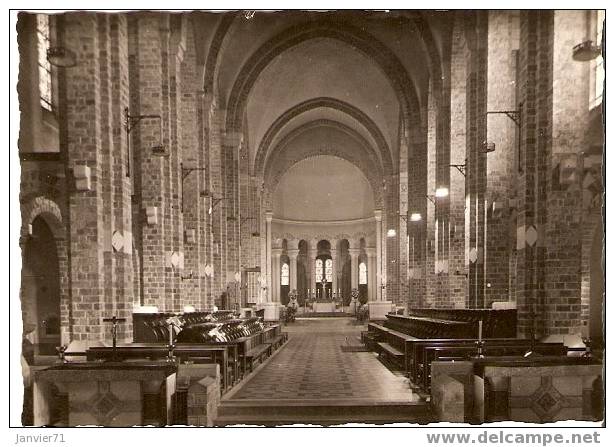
[{"x": 308, "y": 218}]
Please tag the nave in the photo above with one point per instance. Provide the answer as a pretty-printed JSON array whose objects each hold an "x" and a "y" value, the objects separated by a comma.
[
  {"x": 323, "y": 375},
  {"x": 199, "y": 189}
]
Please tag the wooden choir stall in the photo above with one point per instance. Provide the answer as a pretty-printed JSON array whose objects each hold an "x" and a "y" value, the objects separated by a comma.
[
  {"x": 149, "y": 381},
  {"x": 472, "y": 367}
]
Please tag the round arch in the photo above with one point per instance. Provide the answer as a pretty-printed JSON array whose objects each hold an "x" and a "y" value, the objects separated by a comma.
[
  {"x": 48, "y": 210},
  {"x": 355, "y": 37},
  {"x": 331, "y": 103}
]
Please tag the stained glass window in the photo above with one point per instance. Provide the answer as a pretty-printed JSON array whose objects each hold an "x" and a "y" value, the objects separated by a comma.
[
  {"x": 285, "y": 275},
  {"x": 44, "y": 67},
  {"x": 362, "y": 273},
  {"x": 318, "y": 268},
  {"x": 329, "y": 270}
]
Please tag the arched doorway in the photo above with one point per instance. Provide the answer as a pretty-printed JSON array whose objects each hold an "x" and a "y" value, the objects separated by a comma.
[{"x": 41, "y": 289}]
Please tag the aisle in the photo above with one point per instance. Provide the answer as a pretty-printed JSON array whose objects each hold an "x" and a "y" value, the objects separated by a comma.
[{"x": 313, "y": 366}]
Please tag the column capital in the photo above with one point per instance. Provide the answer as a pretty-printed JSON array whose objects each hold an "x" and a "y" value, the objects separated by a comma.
[
  {"x": 313, "y": 243},
  {"x": 333, "y": 253},
  {"x": 292, "y": 253},
  {"x": 371, "y": 252},
  {"x": 269, "y": 216},
  {"x": 276, "y": 252},
  {"x": 378, "y": 215},
  {"x": 354, "y": 252}
]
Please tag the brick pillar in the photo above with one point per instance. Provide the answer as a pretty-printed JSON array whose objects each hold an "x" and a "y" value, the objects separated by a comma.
[
  {"x": 215, "y": 192},
  {"x": 372, "y": 285},
  {"x": 564, "y": 210},
  {"x": 121, "y": 183},
  {"x": 275, "y": 280},
  {"x": 535, "y": 73},
  {"x": 390, "y": 255},
  {"x": 476, "y": 95},
  {"x": 418, "y": 204},
  {"x": 269, "y": 272},
  {"x": 458, "y": 156},
  {"x": 431, "y": 211},
  {"x": 402, "y": 233},
  {"x": 501, "y": 130},
  {"x": 149, "y": 169},
  {"x": 442, "y": 174},
  {"x": 81, "y": 142},
  {"x": 190, "y": 181},
  {"x": 378, "y": 272}
]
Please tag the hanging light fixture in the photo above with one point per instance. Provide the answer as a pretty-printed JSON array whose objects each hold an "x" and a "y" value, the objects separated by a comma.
[{"x": 61, "y": 57}]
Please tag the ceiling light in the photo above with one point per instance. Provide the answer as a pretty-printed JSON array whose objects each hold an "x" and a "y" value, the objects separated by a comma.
[
  {"x": 415, "y": 217},
  {"x": 391, "y": 232}
]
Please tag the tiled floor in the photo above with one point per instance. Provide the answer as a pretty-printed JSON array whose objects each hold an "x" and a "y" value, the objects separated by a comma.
[{"x": 312, "y": 365}]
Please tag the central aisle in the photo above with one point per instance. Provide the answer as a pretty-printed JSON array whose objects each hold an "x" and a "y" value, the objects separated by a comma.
[
  {"x": 313, "y": 380},
  {"x": 313, "y": 366}
]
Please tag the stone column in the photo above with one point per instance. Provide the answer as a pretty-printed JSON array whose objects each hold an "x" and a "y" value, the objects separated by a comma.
[
  {"x": 378, "y": 216},
  {"x": 276, "y": 253},
  {"x": 334, "y": 274},
  {"x": 313, "y": 251},
  {"x": 354, "y": 267},
  {"x": 268, "y": 219},
  {"x": 371, "y": 274},
  {"x": 292, "y": 254}
]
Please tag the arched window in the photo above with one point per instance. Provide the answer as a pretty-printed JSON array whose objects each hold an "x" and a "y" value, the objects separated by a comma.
[
  {"x": 285, "y": 274},
  {"x": 329, "y": 270},
  {"x": 44, "y": 67},
  {"x": 362, "y": 273},
  {"x": 318, "y": 268}
]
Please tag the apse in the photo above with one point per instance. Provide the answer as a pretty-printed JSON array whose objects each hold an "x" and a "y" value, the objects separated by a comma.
[{"x": 323, "y": 188}]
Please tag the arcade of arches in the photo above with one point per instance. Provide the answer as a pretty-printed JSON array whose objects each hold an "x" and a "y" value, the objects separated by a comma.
[{"x": 427, "y": 159}]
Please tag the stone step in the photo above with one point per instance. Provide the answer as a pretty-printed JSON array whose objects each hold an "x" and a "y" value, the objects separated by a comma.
[{"x": 322, "y": 412}]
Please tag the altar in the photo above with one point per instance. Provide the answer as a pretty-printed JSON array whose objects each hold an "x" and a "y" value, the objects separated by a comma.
[{"x": 326, "y": 306}]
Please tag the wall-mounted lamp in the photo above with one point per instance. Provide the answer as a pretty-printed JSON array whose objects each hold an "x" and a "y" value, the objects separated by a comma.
[
  {"x": 61, "y": 57},
  {"x": 185, "y": 173},
  {"x": 586, "y": 51},
  {"x": 440, "y": 193},
  {"x": 515, "y": 116},
  {"x": 214, "y": 201},
  {"x": 462, "y": 167},
  {"x": 416, "y": 217},
  {"x": 130, "y": 122}
]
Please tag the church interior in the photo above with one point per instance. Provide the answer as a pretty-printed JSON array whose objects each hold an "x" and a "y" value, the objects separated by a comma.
[{"x": 296, "y": 217}]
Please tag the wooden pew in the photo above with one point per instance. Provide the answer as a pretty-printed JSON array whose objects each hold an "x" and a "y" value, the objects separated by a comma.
[
  {"x": 396, "y": 347},
  {"x": 197, "y": 353},
  {"x": 492, "y": 349}
]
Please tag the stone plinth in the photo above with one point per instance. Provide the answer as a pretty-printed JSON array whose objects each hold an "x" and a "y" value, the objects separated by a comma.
[
  {"x": 109, "y": 394},
  {"x": 272, "y": 311},
  {"x": 200, "y": 383},
  {"x": 379, "y": 309},
  {"x": 542, "y": 393},
  {"x": 452, "y": 393}
]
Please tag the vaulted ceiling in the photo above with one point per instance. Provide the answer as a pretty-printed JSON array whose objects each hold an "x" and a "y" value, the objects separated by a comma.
[{"x": 277, "y": 74}]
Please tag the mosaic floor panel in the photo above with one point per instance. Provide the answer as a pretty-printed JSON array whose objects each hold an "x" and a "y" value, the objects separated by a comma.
[{"x": 312, "y": 365}]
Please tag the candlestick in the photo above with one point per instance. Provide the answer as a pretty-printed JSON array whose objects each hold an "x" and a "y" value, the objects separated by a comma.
[{"x": 480, "y": 331}]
